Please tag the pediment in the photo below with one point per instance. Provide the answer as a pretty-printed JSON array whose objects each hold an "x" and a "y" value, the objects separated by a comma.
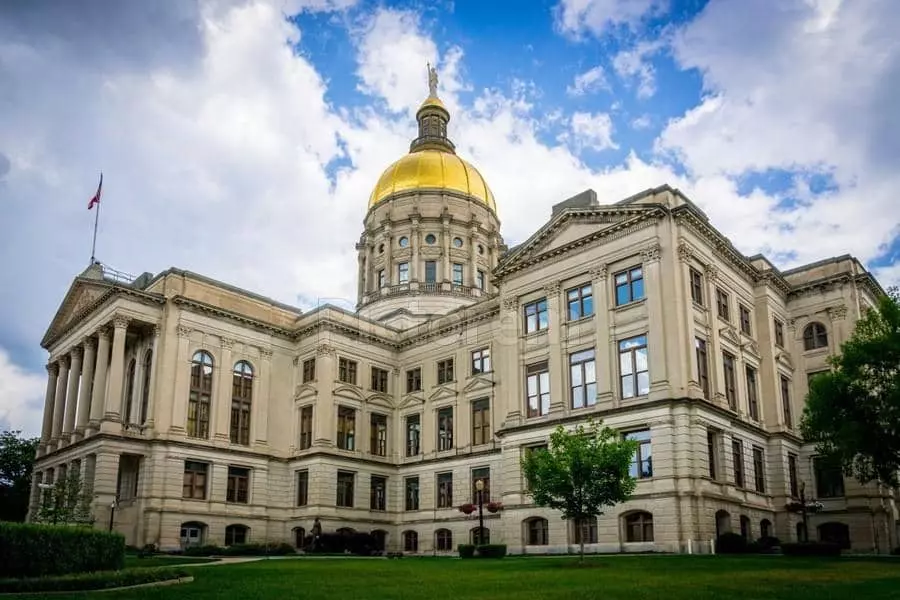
[
  {"x": 785, "y": 359},
  {"x": 413, "y": 399},
  {"x": 442, "y": 393},
  {"x": 380, "y": 399},
  {"x": 729, "y": 333},
  {"x": 83, "y": 297},
  {"x": 349, "y": 391},
  {"x": 304, "y": 391},
  {"x": 751, "y": 348},
  {"x": 478, "y": 383}
]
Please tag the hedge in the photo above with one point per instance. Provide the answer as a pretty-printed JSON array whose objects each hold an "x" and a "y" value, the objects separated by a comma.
[
  {"x": 811, "y": 549},
  {"x": 466, "y": 550},
  {"x": 32, "y": 550},
  {"x": 90, "y": 581},
  {"x": 271, "y": 549},
  {"x": 491, "y": 551}
]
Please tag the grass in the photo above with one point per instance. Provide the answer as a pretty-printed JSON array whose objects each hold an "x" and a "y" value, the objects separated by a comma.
[
  {"x": 612, "y": 578},
  {"x": 133, "y": 562}
]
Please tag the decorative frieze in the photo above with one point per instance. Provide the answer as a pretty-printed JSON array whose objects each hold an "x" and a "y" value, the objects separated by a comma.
[
  {"x": 265, "y": 353},
  {"x": 325, "y": 350}
]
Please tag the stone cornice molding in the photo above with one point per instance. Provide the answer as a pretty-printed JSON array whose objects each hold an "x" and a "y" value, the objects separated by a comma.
[{"x": 209, "y": 309}]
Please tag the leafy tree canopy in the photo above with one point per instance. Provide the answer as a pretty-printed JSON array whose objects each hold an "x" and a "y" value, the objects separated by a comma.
[
  {"x": 852, "y": 412},
  {"x": 16, "y": 460}
]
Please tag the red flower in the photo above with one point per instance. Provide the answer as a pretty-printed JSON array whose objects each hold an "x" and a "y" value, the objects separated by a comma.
[
  {"x": 467, "y": 508},
  {"x": 494, "y": 506}
]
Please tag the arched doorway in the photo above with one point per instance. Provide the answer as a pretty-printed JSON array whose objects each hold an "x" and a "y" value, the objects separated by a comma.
[
  {"x": 193, "y": 533},
  {"x": 723, "y": 522},
  {"x": 299, "y": 537}
]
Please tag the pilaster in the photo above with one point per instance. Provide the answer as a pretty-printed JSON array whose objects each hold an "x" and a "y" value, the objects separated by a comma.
[
  {"x": 260, "y": 408},
  {"x": 606, "y": 368},
  {"x": 75, "y": 357},
  {"x": 389, "y": 275},
  {"x": 657, "y": 330},
  {"x": 149, "y": 420},
  {"x": 182, "y": 380},
  {"x": 87, "y": 382},
  {"x": 221, "y": 400},
  {"x": 414, "y": 246},
  {"x": 716, "y": 366},
  {"x": 507, "y": 360},
  {"x": 472, "y": 278},
  {"x": 558, "y": 398},
  {"x": 324, "y": 429}
]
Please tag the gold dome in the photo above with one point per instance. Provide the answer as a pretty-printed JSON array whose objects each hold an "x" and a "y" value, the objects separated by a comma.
[{"x": 432, "y": 169}]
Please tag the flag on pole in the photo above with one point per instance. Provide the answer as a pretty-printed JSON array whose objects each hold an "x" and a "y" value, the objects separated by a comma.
[{"x": 96, "y": 198}]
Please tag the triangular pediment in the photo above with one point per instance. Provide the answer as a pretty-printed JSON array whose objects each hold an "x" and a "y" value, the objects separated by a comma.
[
  {"x": 349, "y": 391},
  {"x": 785, "y": 359},
  {"x": 729, "y": 333},
  {"x": 442, "y": 393},
  {"x": 751, "y": 348},
  {"x": 380, "y": 399},
  {"x": 478, "y": 383},
  {"x": 83, "y": 297},
  {"x": 304, "y": 391},
  {"x": 413, "y": 399}
]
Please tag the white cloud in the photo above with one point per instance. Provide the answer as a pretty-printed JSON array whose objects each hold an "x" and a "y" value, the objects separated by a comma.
[
  {"x": 590, "y": 131},
  {"x": 633, "y": 66},
  {"x": 21, "y": 397},
  {"x": 590, "y": 81},
  {"x": 888, "y": 276},
  {"x": 576, "y": 17},
  {"x": 642, "y": 122}
]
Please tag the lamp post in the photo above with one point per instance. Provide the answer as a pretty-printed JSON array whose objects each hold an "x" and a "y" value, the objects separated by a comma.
[
  {"x": 112, "y": 512},
  {"x": 479, "y": 487}
]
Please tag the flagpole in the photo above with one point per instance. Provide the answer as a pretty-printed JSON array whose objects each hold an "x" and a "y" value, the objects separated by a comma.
[{"x": 94, "y": 242}]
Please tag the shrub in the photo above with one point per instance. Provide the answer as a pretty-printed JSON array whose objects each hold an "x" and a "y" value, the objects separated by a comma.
[
  {"x": 466, "y": 550},
  {"x": 90, "y": 581},
  {"x": 896, "y": 551},
  {"x": 811, "y": 549},
  {"x": 30, "y": 550},
  {"x": 361, "y": 544},
  {"x": 205, "y": 550},
  {"x": 731, "y": 543},
  {"x": 767, "y": 544},
  {"x": 491, "y": 551}
]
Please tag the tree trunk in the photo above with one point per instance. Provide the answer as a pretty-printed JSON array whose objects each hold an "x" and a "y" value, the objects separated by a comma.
[{"x": 581, "y": 539}]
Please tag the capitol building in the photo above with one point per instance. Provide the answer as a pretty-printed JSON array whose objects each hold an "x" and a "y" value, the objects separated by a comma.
[{"x": 197, "y": 412}]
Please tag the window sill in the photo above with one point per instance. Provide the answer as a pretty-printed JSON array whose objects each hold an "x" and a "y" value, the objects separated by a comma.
[
  {"x": 579, "y": 320},
  {"x": 628, "y": 305}
]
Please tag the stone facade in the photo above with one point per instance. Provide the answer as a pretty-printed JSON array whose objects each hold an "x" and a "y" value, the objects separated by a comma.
[{"x": 211, "y": 414}]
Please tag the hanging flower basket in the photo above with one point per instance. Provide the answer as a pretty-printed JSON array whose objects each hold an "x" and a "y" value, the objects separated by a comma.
[
  {"x": 811, "y": 507},
  {"x": 494, "y": 506},
  {"x": 467, "y": 508}
]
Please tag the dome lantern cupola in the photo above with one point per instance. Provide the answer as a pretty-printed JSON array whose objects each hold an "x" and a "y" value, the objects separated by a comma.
[{"x": 433, "y": 117}]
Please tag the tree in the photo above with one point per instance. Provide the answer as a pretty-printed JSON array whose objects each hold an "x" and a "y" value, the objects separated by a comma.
[
  {"x": 852, "y": 412},
  {"x": 16, "y": 460},
  {"x": 66, "y": 502},
  {"x": 581, "y": 472}
]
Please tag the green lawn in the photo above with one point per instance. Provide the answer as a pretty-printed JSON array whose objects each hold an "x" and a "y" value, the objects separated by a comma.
[{"x": 609, "y": 578}]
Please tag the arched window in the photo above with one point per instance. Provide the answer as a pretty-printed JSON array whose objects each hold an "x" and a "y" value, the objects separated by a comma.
[
  {"x": 585, "y": 527},
  {"x": 236, "y": 534},
  {"x": 480, "y": 536},
  {"x": 241, "y": 397},
  {"x": 145, "y": 386},
  {"x": 299, "y": 537},
  {"x": 723, "y": 522},
  {"x": 745, "y": 527},
  {"x": 537, "y": 531},
  {"x": 410, "y": 541},
  {"x": 443, "y": 540},
  {"x": 765, "y": 528},
  {"x": 815, "y": 336},
  {"x": 639, "y": 527},
  {"x": 129, "y": 390},
  {"x": 193, "y": 533},
  {"x": 200, "y": 394}
]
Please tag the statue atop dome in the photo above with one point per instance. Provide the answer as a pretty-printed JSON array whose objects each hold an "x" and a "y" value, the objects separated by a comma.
[{"x": 432, "y": 80}]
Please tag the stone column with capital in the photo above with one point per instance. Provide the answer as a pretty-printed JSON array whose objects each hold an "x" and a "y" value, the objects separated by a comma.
[
  {"x": 182, "y": 380},
  {"x": 607, "y": 373},
  {"x": 360, "y": 275},
  {"x": 716, "y": 365},
  {"x": 445, "y": 243},
  {"x": 87, "y": 381},
  {"x": 389, "y": 276},
  {"x": 558, "y": 396},
  {"x": 221, "y": 400},
  {"x": 325, "y": 426},
  {"x": 49, "y": 396},
  {"x": 113, "y": 408},
  {"x": 154, "y": 361},
  {"x": 101, "y": 372},
  {"x": 506, "y": 353},
  {"x": 260, "y": 408},
  {"x": 472, "y": 279},
  {"x": 72, "y": 391},
  {"x": 657, "y": 328},
  {"x": 415, "y": 249},
  {"x": 59, "y": 403}
]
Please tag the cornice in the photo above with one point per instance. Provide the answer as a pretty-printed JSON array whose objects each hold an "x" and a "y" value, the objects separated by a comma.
[
  {"x": 331, "y": 325},
  {"x": 221, "y": 313},
  {"x": 476, "y": 313}
]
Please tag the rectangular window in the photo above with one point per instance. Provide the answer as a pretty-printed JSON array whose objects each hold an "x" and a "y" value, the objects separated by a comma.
[
  {"x": 194, "y": 480},
  {"x": 580, "y": 301},
  {"x": 445, "y": 490},
  {"x": 430, "y": 271},
  {"x": 481, "y": 361},
  {"x": 302, "y": 488},
  {"x": 634, "y": 369},
  {"x": 779, "y": 333},
  {"x": 722, "y": 307},
  {"x": 381, "y": 278},
  {"x": 238, "y": 487},
  {"x": 752, "y": 393},
  {"x": 583, "y": 379},
  {"x": 346, "y": 428},
  {"x": 378, "y": 493},
  {"x": 745, "y": 320},
  {"x": 536, "y": 318},
  {"x": 786, "y": 402},
  {"x": 696, "y": 286},
  {"x": 411, "y": 494},
  {"x": 414, "y": 380},
  {"x": 537, "y": 387},
  {"x": 711, "y": 453},
  {"x": 829, "y": 478},
  {"x": 345, "y": 480},
  {"x": 379, "y": 380},
  {"x": 378, "y": 430},
  {"x": 702, "y": 366},
  {"x": 306, "y": 427},
  {"x": 481, "y": 421},
  {"x": 629, "y": 286},
  {"x": 457, "y": 274},
  {"x": 759, "y": 471},
  {"x": 737, "y": 454},
  {"x": 413, "y": 434},
  {"x": 479, "y": 280},
  {"x": 347, "y": 370},
  {"x": 484, "y": 475},
  {"x": 309, "y": 370},
  {"x": 730, "y": 380},
  {"x": 792, "y": 476},
  {"x": 445, "y": 371},
  {"x": 445, "y": 428},
  {"x": 403, "y": 273},
  {"x": 642, "y": 462}
]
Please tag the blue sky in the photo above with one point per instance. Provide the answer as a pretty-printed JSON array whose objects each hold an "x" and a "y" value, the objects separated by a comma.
[{"x": 243, "y": 145}]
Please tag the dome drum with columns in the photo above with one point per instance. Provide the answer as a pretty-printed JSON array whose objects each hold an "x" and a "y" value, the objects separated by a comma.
[{"x": 432, "y": 236}]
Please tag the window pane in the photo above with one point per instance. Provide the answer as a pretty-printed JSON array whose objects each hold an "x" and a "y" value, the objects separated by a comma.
[
  {"x": 641, "y": 358},
  {"x": 628, "y": 386},
  {"x": 643, "y": 383}
]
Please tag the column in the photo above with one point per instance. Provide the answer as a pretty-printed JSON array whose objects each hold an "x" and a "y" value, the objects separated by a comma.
[
  {"x": 47, "y": 425},
  {"x": 656, "y": 334},
  {"x": 154, "y": 360},
  {"x": 472, "y": 279},
  {"x": 98, "y": 392},
  {"x": 59, "y": 403},
  {"x": 360, "y": 274},
  {"x": 221, "y": 400},
  {"x": 260, "y": 407},
  {"x": 558, "y": 396},
  {"x": 370, "y": 284},
  {"x": 389, "y": 275},
  {"x": 87, "y": 380},
  {"x": 682, "y": 298},
  {"x": 445, "y": 239},
  {"x": 414, "y": 251},
  {"x": 506, "y": 353},
  {"x": 72, "y": 390},
  {"x": 182, "y": 380},
  {"x": 116, "y": 371},
  {"x": 324, "y": 428},
  {"x": 607, "y": 374},
  {"x": 716, "y": 366}
]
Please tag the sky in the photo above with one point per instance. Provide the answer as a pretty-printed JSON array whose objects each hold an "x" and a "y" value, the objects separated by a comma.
[{"x": 240, "y": 138}]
